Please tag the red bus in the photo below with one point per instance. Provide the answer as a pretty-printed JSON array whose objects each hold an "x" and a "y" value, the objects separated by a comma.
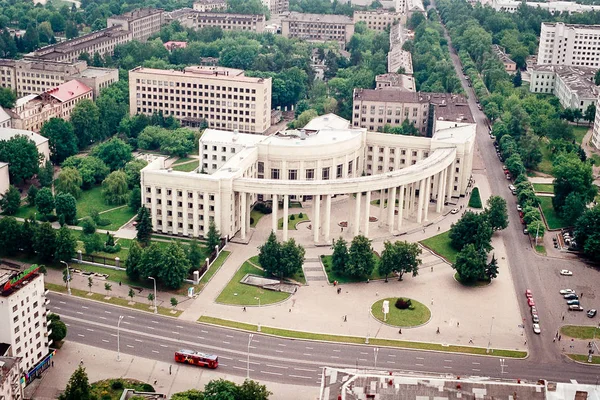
[{"x": 197, "y": 358}]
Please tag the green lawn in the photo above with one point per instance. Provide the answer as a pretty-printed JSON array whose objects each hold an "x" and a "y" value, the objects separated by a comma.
[
  {"x": 184, "y": 160},
  {"x": 255, "y": 216},
  {"x": 543, "y": 187},
  {"x": 292, "y": 222},
  {"x": 552, "y": 219},
  {"x": 545, "y": 165},
  {"x": 298, "y": 276},
  {"x": 92, "y": 199},
  {"x": 596, "y": 159},
  {"x": 540, "y": 249},
  {"x": 25, "y": 212},
  {"x": 332, "y": 276},
  {"x": 475, "y": 199},
  {"x": 440, "y": 244},
  {"x": 580, "y": 332},
  {"x": 117, "y": 218},
  {"x": 237, "y": 293},
  {"x": 104, "y": 389},
  {"x": 417, "y": 315},
  {"x": 216, "y": 265},
  {"x": 361, "y": 340},
  {"x": 376, "y": 202},
  {"x": 584, "y": 358},
  {"x": 580, "y": 132},
  {"x": 187, "y": 167}
]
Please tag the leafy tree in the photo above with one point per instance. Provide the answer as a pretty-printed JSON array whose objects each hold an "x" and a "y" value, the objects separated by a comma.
[
  {"x": 71, "y": 30},
  {"x": 10, "y": 236},
  {"x": 10, "y": 201},
  {"x": 115, "y": 153},
  {"x": 61, "y": 139},
  {"x": 131, "y": 294},
  {"x": 252, "y": 390},
  {"x": 90, "y": 283},
  {"x": 31, "y": 39},
  {"x": 28, "y": 234},
  {"x": 305, "y": 118},
  {"x": 517, "y": 79},
  {"x": 111, "y": 112},
  {"x": 175, "y": 266},
  {"x": 401, "y": 257},
  {"x": 471, "y": 228},
  {"x": 270, "y": 254},
  {"x": 85, "y": 118},
  {"x": 491, "y": 269},
  {"x": 470, "y": 263},
  {"x": 66, "y": 205},
  {"x": 194, "y": 254},
  {"x": 291, "y": 259},
  {"x": 59, "y": 330},
  {"x": 31, "y": 193},
  {"x": 587, "y": 233},
  {"x": 46, "y": 174},
  {"x": 7, "y": 97},
  {"x": 213, "y": 237},
  {"x": 536, "y": 228},
  {"x": 92, "y": 243},
  {"x": 107, "y": 287},
  {"x": 529, "y": 150},
  {"x": 360, "y": 257},
  {"x": 572, "y": 176},
  {"x": 45, "y": 242},
  {"x": 573, "y": 208},
  {"x": 22, "y": 155},
  {"x": 65, "y": 245},
  {"x": 496, "y": 213},
  {"x": 132, "y": 170},
  {"x": 339, "y": 258},
  {"x": 174, "y": 302},
  {"x": 92, "y": 169},
  {"x": 144, "y": 226},
  {"x": 78, "y": 387},
  {"x": 590, "y": 113},
  {"x": 192, "y": 394},
  {"x": 88, "y": 226},
  {"x": 115, "y": 189},
  {"x": 69, "y": 181},
  {"x": 151, "y": 262},
  {"x": 44, "y": 201},
  {"x": 135, "y": 199}
]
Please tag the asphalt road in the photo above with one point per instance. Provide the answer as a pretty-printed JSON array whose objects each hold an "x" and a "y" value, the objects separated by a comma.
[{"x": 276, "y": 359}]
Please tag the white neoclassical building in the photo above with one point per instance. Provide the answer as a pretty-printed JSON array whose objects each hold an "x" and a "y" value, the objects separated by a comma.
[{"x": 325, "y": 160}]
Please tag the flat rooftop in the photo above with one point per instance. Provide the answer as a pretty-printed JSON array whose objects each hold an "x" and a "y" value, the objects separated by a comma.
[
  {"x": 138, "y": 13},
  {"x": 577, "y": 79},
  {"x": 573, "y": 26},
  {"x": 55, "y": 51},
  {"x": 323, "y": 18},
  {"x": 387, "y": 95},
  {"x": 201, "y": 72},
  {"x": 94, "y": 72},
  {"x": 8, "y": 133}
]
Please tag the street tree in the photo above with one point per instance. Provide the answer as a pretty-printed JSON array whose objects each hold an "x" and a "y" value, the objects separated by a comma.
[
  {"x": 69, "y": 181},
  {"x": 572, "y": 176},
  {"x": 587, "y": 233},
  {"x": 115, "y": 189},
  {"x": 115, "y": 153},
  {"x": 10, "y": 201},
  {"x": 536, "y": 228},
  {"x": 339, "y": 258},
  {"x": 85, "y": 118},
  {"x": 174, "y": 302},
  {"x": 28, "y": 234},
  {"x": 496, "y": 213},
  {"x": 361, "y": 261},
  {"x": 213, "y": 237},
  {"x": 58, "y": 328},
  {"x": 108, "y": 288},
  {"x": 78, "y": 387},
  {"x": 90, "y": 283},
  {"x": 61, "y": 139},
  {"x": 66, "y": 205},
  {"x": 132, "y": 170},
  {"x": 45, "y": 242},
  {"x": 8, "y": 97},
  {"x": 44, "y": 201},
  {"x": 22, "y": 157},
  {"x": 150, "y": 298},
  {"x": 151, "y": 262},
  {"x": 10, "y": 236},
  {"x": 65, "y": 245},
  {"x": 46, "y": 174},
  {"x": 131, "y": 294},
  {"x": 471, "y": 228},
  {"x": 291, "y": 260},
  {"x": 470, "y": 263},
  {"x": 132, "y": 264},
  {"x": 175, "y": 266},
  {"x": 491, "y": 269},
  {"x": 270, "y": 254},
  {"x": 194, "y": 254},
  {"x": 31, "y": 193},
  {"x": 144, "y": 226}
]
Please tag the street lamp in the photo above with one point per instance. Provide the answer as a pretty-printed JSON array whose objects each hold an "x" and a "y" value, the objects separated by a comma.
[
  {"x": 248, "y": 364},
  {"x": 118, "y": 338},
  {"x": 68, "y": 277},
  {"x": 257, "y": 298},
  {"x": 155, "y": 308},
  {"x": 490, "y": 336}
]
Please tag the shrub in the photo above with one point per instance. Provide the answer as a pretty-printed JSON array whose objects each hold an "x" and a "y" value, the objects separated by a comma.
[
  {"x": 292, "y": 217},
  {"x": 103, "y": 222},
  {"x": 403, "y": 304},
  {"x": 112, "y": 249},
  {"x": 475, "y": 199},
  {"x": 89, "y": 226},
  {"x": 263, "y": 208},
  {"x": 147, "y": 388},
  {"x": 117, "y": 385},
  {"x": 251, "y": 221},
  {"x": 106, "y": 397},
  {"x": 300, "y": 215}
]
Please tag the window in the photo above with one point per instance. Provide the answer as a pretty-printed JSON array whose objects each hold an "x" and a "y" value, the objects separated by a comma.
[
  {"x": 274, "y": 173},
  {"x": 325, "y": 174},
  {"x": 261, "y": 167},
  {"x": 350, "y": 163},
  {"x": 310, "y": 174},
  {"x": 293, "y": 174}
]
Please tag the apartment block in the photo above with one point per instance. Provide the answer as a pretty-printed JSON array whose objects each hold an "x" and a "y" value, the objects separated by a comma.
[
  {"x": 228, "y": 22},
  {"x": 10, "y": 376},
  {"x": 142, "y": 23},
  {"x": 318, "y": 27},
  {"x": 97, "y": 78},
  {"x": 554, "y": 7},
  {"x": 277, "y": 6},
  {"x": 223, "y": 97},
  {"x": 566, "y": 44},
  {"x": 377, "y": 20},
  {"x": 574, "y": 86},
  {"x": 210, "y": 5},
  {"x": 23, "y": 314}
]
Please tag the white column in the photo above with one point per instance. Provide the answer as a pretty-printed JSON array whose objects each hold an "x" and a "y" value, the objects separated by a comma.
[
  {"x": 153, "y": 202},
  {"x": 316, "y": 217},
  {"x": 411, "y": 198},
  {"x": 367, "y": 212},
  {"x": 196, "y": 222},
  {"x": 274, "y": 214},
  {"x": 400, "y": 205},
  {"x": 421, "y": 199},
  {"x": 218, "y": 213},
  {"x": 205, "y": 214},
  {"x": 444, "y": 185},
  {"x": 440, "y": 201},
  {"x": 174, "y": 208},
  {"x": 243, "y": 216},
  {"x": 391, "y": 207},
  {"x": 427, "y": 194},
  {"x": 327, "y": 227},
  {"x": 164, "y": 209},
  {"x": 381, "y": 206},
  {"x": 184, "y": 211},
  {"x": 357, "y": 214},
  {"x": 249, "y": 202},
  {"x": 286, "y": 200},
  {"x": 450, "y": 174}
]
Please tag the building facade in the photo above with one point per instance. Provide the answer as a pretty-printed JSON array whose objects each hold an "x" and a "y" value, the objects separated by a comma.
[
  {"x": 23, "y": 312},
  {"x": 393, "y": 80},
  {"x": 596, "y": 129},
  {"x": 226, "y": 21},
  {"x": 10, "y": 378},
  {"x": 565, "y": 44},
  {"x": 142, "y": 23},
  {"x": 377, "y": 20},
  {"x": 509, "y": 65},
  {"x": 209, "y": 5},
  {"x": 325, "y": 159},
  {"x": 318, "y": 27},
  {"x": 223, "y": 97},
  {"x": 277, "y": 6},
  {"x": 574, "y": 86},
  {"x": 554, "y": 7}
]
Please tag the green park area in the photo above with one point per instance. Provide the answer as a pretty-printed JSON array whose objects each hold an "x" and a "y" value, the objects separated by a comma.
[
  {"x": 411, "y": 314},
  {"x": 293, "y": 221},
  {"x": 112, "y": 389},
  {"x": 185, "y": 165},
  {"x": 543, "y": 187},
  {"x": 472, "y": 283},
  {"x": 553, "y": 220},
  {"x": 440, "y": 244}
]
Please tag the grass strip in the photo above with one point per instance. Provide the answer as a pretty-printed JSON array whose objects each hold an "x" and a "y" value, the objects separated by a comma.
[
  {"x": 359, "y": 340},
  {"x": 292, "y": 222},
  {"x": 440, "y": 244},
  {"x": 237, "y": 293},
  {"x": 416, "y": 315},
  {"x": 580, "y": 332},
  {"x": 543, "y": 187},
  {"x": 113, "y": 300},
  {"x": 552, "y": 218},
  {"x": 584, "y": 359}
]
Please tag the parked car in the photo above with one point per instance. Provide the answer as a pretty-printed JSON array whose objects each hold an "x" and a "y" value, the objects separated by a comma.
[
  {"x": 534, "y": 310},
  {"x": 537, "y": 329},
  {"x": 566, "y": 272},
  {"x": 519, "y": 208},
  {"x": 528, "y": 293},
  {"x": 535, "y": 318},
  {"x": 566, "y": 291},
  {"x": 512, "y": 187},
  {"x": 575, "y": 308},
  {"x": 454, "y": 211},
  {"x": 508, "y": 177},
  {"x": 571, "y": 296},
  {"x": 591, "y": 313},
  {"x": 573, "y": 302},
  {"x": 525, "y": 231},
  {"x": 530, "y": 302}
]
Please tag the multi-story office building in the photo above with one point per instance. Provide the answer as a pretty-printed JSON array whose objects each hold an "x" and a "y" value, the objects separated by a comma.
[
  {"x": 554, "y": 7},
  {"x": 574, "y": 86},
  {"x": 97, "y": 78},
  {"x": 10, "y": 377},
  {"x": 377, "y": 20},
  {"x": 596, "y": 131},
  {"x": 327, "y": 158},
  {"x": 142, "y": 23},
  {"x": 400, "y": 61},
  {"x": 318, "y": 27},
  {"x": 23, "y": 315},
  {"x": 564, "y": 44},
  {"x": 226, "y": 21},
  {"x": 277, "y": 6},
  {"x": 209, "y": 5},
  {"x": 223, "y": 97}
]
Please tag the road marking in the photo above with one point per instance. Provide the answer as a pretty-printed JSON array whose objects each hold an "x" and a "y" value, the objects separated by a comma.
[
  {"x": 163, "y": 345},
  {"x": 242, "y": 368},
  {"x": 68, "y": 324},
  {"x": 128, "y": 323},
  {"x": 226, "y": 342},
  {"x": 300, "y": 376},
  {"x": 57, "y": 308},
  {"x": 154, "y": 322},
  {"x": 419, "y": 365},
  {"x": 448, "y": 360},
  {"x": 222, "y": 365},
  {"x": 89, "y": 330},
  {"x": 391, "y": 362},
  {"x": 336, "y": 350},
  {"x": 84, "y": 307},
  {"x": 108, "y": 312},
  {"x": 271, "y": 373},
  {"x": 334, "y": 357},
  {"x": 151, "y": 327},
  {"x": 391, "y": 355},
  {"x": 229, "y": 336},
  {"x": 203, "y": 331},
  {"x": 130, "y": 346},
  {"x": 105, "y": 341},
  {"x": 177, "y": 333},
  {"x": 101, "y": 317},
  {"x": 79, "y": 312},
  {"x": 362, "y": 359},
  {"x": 155, "y": 351},
  {"x": 251, "y": 362},
  {"x": 304, "y": 369},
  {"x": 447, "y": 367},
  {"x": 276, "y": 366},
  {"x": 113, "y": 335},
  {"x": 420, "y": 358},
  {"x": 62, "y": 302},
  {"x": 309, "y": 348},
  {"x": 129, "y": 316},
  {"x": 278, "y": 351},
  {"x": 281, "y": 344},
  {"x": 363, "y": 353},
  {"x": 476, "y": 363},
  {"x": 179, "y": 326},
  {"x": 252, "y": 347},
  {"x": 475, "y": 369},
  {"x": 138, "y": 340},
  {"x": 225, "y": 358},
  {"x": 200, "y": 337},
  {"x": 79, "y": 334}
]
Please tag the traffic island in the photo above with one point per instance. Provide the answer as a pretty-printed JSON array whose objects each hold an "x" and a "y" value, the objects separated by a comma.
[{"x": 403, "y": 312}]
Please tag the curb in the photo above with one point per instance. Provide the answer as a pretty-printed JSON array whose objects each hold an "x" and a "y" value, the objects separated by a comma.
[{"x": 580, "y": 362}]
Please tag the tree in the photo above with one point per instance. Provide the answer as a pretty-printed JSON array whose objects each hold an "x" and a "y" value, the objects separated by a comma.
[
  {"x": 590, "y": 113},
  {"x": 22, "y": 155},
  {"x": 496, "y": 213},
  {"x": 78, "y": 387},
  {"x": 252, "y": 390},
  {"x": 108, "y": 288},
  {"x": 66, "y": 205},
  {"x": 10, "y": 236},
  {"x": 401, "y": 257},
  {"x": 46, "y": 174},
  {"x": 194, "y": 254},
  {"x": 131, "y": 294},
  {"x": 71, "y": 30},
  {"x": 175, "y": 266},
  {"x": 92, "y": 169},
  {"x": 213, "y": 237},
  {"x": 28, "y": 234},
  {"x": 152, "y": 259},
  {"x": 45, "y": 242},
  {"x": 7, "y": 98},
  {"x": 115, "y": 153},
  {"x": 31, "y": 39},
  {"x": 44, "y": 201},
  {"x": 587, "y": 233},
  {"x": 270, "y": 254},
  {"x": 491, "y": 269},
  {"x": 132, "y": 170},
  {"x": 471, "y": 228},
  {"x": 597, "y": 78},
  {"x": 90, "y": 283},
  {"x": 360, "y": 257},
  {"x": 85, "y": 118},
  {"x": 31, "y": 193},
  {"x": 192, "y": 394},
  {"x": 135, "y": 199},
  {"x": 305, "y": 118},
  {"x": 470, "y": 263},
  {"x": 88, "y": 226},
  {"x": 65, "y": 245},
  {"x": 291, "y": 259},
  {"x": 92, "y": 243},
  {"x": 144, "y": 226},
  {"x": 517, "y": 79},
  {"x": 572, "y": 175},
  {"x": 10, "y": 201},
  {"x": 339, "y": 258},
  {"x": 174, "y": 302},
  {"x": 150, "y": 297},
  {"x": 61, "y": 139},
  {"x": 112, "y": 111},
  {"x": 58, "y": 328},
  {"x": 69, "y": 181},
  {"x": 115, "y": 189},
  {"x": 573, "y": 208}
]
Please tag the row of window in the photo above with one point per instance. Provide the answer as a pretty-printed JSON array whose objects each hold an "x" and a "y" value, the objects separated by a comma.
[{"x": 190, "y": 195}]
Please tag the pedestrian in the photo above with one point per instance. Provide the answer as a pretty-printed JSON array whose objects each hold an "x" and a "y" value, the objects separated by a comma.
[
  {"x": 559, "y": 337},
  {"x": 432, "y": 268},
  {"x": 376, "y": 294},
  {"x": 439, "y": 228},
  {"x": 342, "y": 229},
  {"x": 581, "y": 295},
  {"x": 457, "y": 324},
  {"x": 244, "y": 309},
  {"x": 52, "y": 364},
  {"x": 438, "y": 330},
  {"x": 432, "y": 301},
  {"x": 345, "y": 318},
  {"x": 290, "y": 310},
  {"x": 155, "y": 381},
  {"x": 563, "y": 317},
  {"x": 471, "y": 341},
  {"x": 368, "y": 280},
  {"x": 423, "y": 230},
  {"x": 81, "y": 362},
  {"x": 553, "y": 340},
  {"x": 526, "y": 343},
  {"x": 400, "y": 331},
  {"x": 170, "y": 369},
  {"x": 119, "y": 283}
]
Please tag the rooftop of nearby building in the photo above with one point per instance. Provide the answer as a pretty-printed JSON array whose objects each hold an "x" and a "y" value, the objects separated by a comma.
[
  {"x": 577, "y": 79},
  {"x": 137, "y": 13},
  {"x": 399, "y": 58},
  {"x": 325, "y": 18},
  {"x": 56, "y": 50},
  {"x": 222, "y": 15},
  {"x": 394, "y": 80},
  {"x": 379, "y": 11},
  {"x": 200, "y": 71},
  {"x": 94, "y": 72},
  {"x": 4, "y": 348},
  {"x": 228, "y": 137},
  {"x": 69, "y": 90},
  {"x": 205, "y": 2},
  {"x": 573, "y": 26},
  {"x": 21, "y": 101},
  {"x": 328, "y": 121},
  {"x": 8, "y": 133},
  {"x": 4, "y": 115},
  {"x": 450, "y": 107},
  {"x": 387, "y": 95},
  {"x": 502, "y": 54}
]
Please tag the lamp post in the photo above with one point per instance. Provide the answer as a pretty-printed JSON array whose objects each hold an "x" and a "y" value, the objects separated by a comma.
[
  {"x": 119, "y": 338},
  {"x": 490, "y": 336},
  {"x": 155, "y": 308},
  {"x": 68, "y": 277},
  {"x": 257, "y": 298},
  {"x": 248, "y": 364}
]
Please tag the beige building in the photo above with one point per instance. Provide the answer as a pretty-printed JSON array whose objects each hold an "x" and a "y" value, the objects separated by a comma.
[
  {"x": 210, "y": 5},
  {"x": 566, "y": 44},
  {"x": 40, "y": 141},
  {"x": 574, "y": 86},
  {"x": 392, "y": 80},
  {"x": 318, "y": 27},
  {"x": 97, "y": 78},
  {"x": 377, "y": 20},
  {"x": 142, "y": 23},
  {"x": 228, "y": 22},
  {"x": 4, "y": 177},
  {"x": 223, "y": 97},
  {"x": 10, "y": 377},
  {"x": 277, "y": 6},
  {"x": 509, "y": 65}
]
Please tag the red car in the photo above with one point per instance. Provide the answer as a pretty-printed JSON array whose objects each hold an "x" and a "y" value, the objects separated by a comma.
[
  {"x": 530, "y": 302},
  {"x": 528, "y": 294}
]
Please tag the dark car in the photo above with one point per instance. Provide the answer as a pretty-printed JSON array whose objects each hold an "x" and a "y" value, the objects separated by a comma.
[{"x": 571, "y": 296}]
